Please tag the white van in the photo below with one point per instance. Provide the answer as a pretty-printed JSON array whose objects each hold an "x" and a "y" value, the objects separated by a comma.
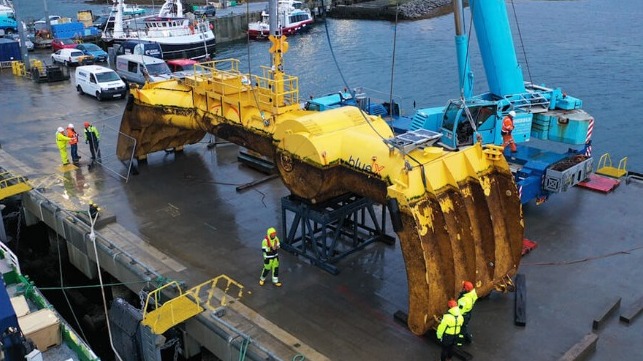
[
  {"x": 99, "y": 81},
  {"x": 142, "y": 68}
]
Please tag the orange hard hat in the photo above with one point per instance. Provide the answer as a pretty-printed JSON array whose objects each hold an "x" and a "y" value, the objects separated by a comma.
[
  {"x": 452, "y": 303},
  {"x": 467, "y": 286},
  {"x": 86, "y": 124}
]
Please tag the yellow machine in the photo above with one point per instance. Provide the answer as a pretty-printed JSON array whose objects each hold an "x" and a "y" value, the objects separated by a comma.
[{"x": 458, "y": 214}]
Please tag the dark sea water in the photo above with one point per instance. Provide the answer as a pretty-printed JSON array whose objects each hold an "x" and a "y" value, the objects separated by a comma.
[{"x": 589, "y": 48}]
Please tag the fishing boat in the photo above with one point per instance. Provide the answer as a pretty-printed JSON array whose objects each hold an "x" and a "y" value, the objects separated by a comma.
[
  {"x": 30, "y": 326},
  {"x": 293, "y": 18},
  {"x": 179, "y": 36}
]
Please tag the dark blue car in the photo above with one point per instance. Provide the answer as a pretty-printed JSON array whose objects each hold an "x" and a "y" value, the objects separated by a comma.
[{"x": 94, "y": 50}]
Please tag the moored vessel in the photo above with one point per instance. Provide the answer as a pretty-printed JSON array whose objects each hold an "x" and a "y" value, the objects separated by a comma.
[
  {"x": 178, "y": 35},
  {"x": 293, "y": 17}
]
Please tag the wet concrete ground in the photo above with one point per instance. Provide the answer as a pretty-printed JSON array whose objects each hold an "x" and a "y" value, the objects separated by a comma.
[{"x": 185, "y": 204}]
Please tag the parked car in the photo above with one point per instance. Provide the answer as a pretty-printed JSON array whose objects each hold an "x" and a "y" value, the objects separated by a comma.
[
  {"x": 93, "y": 50},
  {"x": 207, "y": 10},
  {"x": 53, "y": 20},
  {"x": 99, "y": 81},
  {"x": 71, "y": 57},
  {"x": 58, "y": 44},
  {"x": 181, "y": 64},
  {"x": 182, "y": 67}
]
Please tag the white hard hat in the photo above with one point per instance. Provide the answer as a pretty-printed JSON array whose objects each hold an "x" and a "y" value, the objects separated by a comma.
[
  {"x": 60, "y": 129},
  {"x": 511, "y": 113},
  {"x": 71, "y": 125}
]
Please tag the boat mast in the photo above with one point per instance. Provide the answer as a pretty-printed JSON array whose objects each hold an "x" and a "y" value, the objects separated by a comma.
[{"x": 118, "y": 20}]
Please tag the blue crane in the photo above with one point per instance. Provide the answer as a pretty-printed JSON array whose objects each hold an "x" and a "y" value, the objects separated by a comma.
[
  {"x": 542, "y": 113},
  {"x": 546, "y": 114}
]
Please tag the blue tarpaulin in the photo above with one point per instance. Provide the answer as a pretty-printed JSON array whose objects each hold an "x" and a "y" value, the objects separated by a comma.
[
  {"x": 7, "y": 314},
  {"x": 9, "y": 50}
]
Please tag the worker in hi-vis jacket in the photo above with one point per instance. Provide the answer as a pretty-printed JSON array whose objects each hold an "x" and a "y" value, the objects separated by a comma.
[
  {"x": 467, "y": 298},
  {"x": 270, "y": 246},
  {"x": 61, "y": 142},
  {"x": 507, "y": 128},
  {"x": 449, "y": 329}
]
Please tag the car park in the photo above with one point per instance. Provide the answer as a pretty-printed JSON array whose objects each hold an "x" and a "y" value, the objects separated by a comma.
[
  {"x": 140, "y": 69},
  {"x": 71, "y": 57},
  {"x": 58, "y": 44},
  {"x": 99, "y": 81},
  {"x": 94, "y": 50}
]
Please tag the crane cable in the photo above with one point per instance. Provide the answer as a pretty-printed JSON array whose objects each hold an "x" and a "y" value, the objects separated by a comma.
[
  {"x": 385, "y": 140},
  {"x": 522, "y": 44},
  {"x": 467, "y": 112},
  {"x": 397, "y": 11},
  {"x": 254, "y": 93}
]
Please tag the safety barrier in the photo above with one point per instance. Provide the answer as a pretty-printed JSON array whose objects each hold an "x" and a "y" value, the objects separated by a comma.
[
  {"x": 186, "y": 304},
  {"x": 605, "y": 167}
]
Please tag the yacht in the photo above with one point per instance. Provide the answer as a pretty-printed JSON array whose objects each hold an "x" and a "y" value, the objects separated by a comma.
[{"x": 178, "y": 35}]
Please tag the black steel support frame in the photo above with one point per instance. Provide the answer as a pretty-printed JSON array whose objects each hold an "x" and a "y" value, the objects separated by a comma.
[{"x": 325, "y": 233}]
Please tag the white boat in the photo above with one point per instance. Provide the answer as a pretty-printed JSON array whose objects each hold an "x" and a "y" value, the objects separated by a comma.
[
  {"x": 31, "y": 327},
  {"x": 133, "y": 10},
  {"x": 293, "y": 17},
  {"x": 179, "y": 36}
]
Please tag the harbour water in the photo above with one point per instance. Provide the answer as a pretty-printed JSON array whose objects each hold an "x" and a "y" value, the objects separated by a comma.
[{"x": 586, "y": 48}]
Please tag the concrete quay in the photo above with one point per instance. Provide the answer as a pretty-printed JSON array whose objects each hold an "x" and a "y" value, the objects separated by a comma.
[{"x": 182, "y": 218}]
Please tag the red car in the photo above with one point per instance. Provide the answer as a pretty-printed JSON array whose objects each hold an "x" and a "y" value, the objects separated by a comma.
[{"x": 58, "y": 44}]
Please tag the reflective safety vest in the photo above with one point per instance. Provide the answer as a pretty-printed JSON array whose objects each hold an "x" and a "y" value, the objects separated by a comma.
[
  {"x": 91, "y": 132},
  {"x": 61, "y": 140},
  {"x": 71, "y": 133},
  {"x": 451, "y": 323},
  {"x": 507, "y": 125},
  {"x": 270, "y": 247},
  {"x": 467, "y": 300}
]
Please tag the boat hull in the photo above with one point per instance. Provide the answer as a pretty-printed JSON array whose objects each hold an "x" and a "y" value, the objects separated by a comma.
[
  {"x": 260, "y": 32},
  {"x": 195, "y": 50}
]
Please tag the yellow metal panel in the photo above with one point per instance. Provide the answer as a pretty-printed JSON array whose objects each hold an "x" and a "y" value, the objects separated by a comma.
[
  {"x": 171, "y": 313},
  {"x": 12, "y": 190},
  {"x": 11, "y": 185}
]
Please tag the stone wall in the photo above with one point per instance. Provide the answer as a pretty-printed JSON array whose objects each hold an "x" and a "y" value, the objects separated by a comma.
[
  {"x": 233, "y": 27},
  {"x": 386, "y": 9}
]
